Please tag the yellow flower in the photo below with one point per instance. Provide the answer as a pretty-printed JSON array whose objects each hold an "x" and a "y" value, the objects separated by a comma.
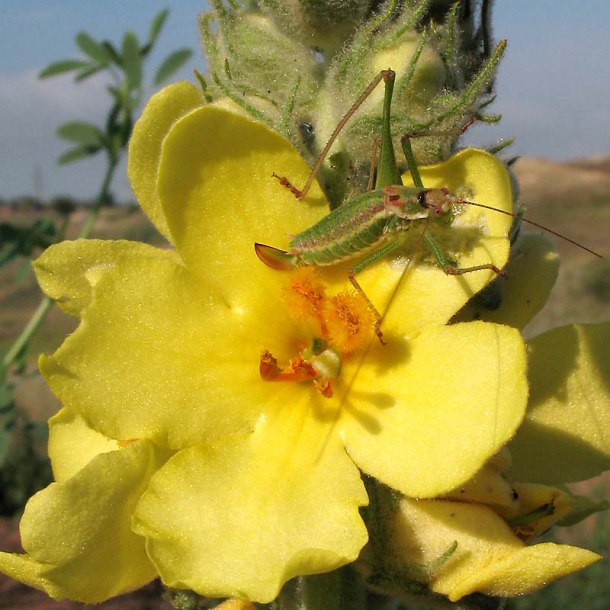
[
  {"x": 473, "y": 539},
  {"x": 465, "y": 548},
  {"x": 250, "y": 398},
  {"x": 564, "y": 438},
  {"x": 76, "y": 532}
]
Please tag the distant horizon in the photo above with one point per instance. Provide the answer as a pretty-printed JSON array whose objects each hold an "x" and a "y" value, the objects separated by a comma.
[
  {"x": 552, "y": 84},
  {"x": 582, "y": 163}
]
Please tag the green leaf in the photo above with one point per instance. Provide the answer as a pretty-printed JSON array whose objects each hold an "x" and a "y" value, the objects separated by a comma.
[
  {"x": 132, "y": 60},
  {"x": 126, "y": 129},
  {"x": 117, "y": 94},
  {"x": 92, "y": 48},
  {"x": 59, "y": 67},
  {"x": 583, "y": 507},
  {"x": 155, "y": 28},
  {"x": 6, "y": 397},
  {"x": 75, "y": 154},
  {"x": 86, "y": 72},
  {"x": 82, "y": 133},
  {"x": 113, "y": 117},
  {"x": 113, "y": 54},
  {"x": 173, "y": 62}
]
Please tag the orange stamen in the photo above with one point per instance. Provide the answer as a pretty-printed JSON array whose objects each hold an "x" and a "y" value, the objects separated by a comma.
[{"x": 296, "y": 370}]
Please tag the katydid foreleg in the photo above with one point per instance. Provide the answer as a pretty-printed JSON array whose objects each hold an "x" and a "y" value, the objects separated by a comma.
[{"x": 449, "y": 268}]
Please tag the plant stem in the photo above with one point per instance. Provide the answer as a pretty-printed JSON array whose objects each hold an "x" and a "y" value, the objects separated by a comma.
[
  {"x": 45, "y": 305},
  {"x": 336, "y": 590}
]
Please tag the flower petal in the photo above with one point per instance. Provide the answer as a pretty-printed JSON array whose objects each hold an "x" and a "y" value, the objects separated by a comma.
[
  {"x": 241, "y": 516},
  {"x": 490, "y": 488},
  {"x": 526, "y": 570},
  {"x": 73, "y": 444},
  {"x": 66, "y": 528},
  {"x": 532, "y": 270},
  {"x": 219, "y": 196},
  {"x": 488, "y": 557},
  {"x": 200, "y": 184},
  {"x": 566, "y": 432},
  {"x": 152, "y": 358},
  {"x": 433, "y": 410},
  {"x": 67, "y": 271},
  {"x": 161, "y": 112}
]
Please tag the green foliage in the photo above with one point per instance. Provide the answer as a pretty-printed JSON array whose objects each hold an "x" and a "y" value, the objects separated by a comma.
[
  {"x": 597, "y": 280},
  {"x": 7, "y": 419},
  {"x": 174, "y": 61},
  {"x": 24, "y": 469},
  {"x": 126, "y": 69},
  {"x": 23, "y": 241},
  {"x": 64, "y": 204}
]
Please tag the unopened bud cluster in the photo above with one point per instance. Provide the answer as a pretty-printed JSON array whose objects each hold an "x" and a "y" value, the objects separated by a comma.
[{"x": 298, "y": 66}]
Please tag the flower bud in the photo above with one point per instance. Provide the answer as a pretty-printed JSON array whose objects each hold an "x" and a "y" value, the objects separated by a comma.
[
  {"x": 258, "y": 66},
  {"x": 420, "y": 75},
  {"x": 325, "y": 24}
]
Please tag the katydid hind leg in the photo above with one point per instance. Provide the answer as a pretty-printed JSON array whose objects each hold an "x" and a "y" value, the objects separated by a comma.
[
  {"x": 385, "y": 75},
  {"x": 378, "y": 318},
  {"x": 371, "y": 258}
]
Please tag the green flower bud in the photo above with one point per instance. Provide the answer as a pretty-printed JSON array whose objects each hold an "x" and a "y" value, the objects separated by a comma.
[
  {"x": 420, "y": 78},
  {"x": 299, "y": 65},
  {"x": 325, "y": 24},
  {"x": 257, "y": 66}
]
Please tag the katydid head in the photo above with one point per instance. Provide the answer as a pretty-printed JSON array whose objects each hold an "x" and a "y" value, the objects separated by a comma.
[{"x": 439, "y": 201}]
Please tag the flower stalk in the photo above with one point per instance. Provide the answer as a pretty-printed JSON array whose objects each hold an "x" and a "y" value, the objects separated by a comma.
[{"x": 38, "y": 317}]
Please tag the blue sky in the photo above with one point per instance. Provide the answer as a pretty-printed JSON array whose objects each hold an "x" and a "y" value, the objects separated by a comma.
[{"x": 553, "y": 85}]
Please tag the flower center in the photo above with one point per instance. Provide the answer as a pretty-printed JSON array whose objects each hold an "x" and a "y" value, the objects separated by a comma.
[{"x": 344, "y": 324}]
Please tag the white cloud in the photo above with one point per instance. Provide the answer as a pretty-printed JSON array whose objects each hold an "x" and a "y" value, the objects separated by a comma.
[
  {"x": 31, "y": 110},
  {"x": 23, "y": 93}
]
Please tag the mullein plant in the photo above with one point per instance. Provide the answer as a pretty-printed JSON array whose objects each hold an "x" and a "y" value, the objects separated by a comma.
[
  {"x": 241, "y": 432},
  {"x": 298, "y": 66}
]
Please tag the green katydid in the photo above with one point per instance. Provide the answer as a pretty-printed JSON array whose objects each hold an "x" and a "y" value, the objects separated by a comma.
[{"x": 373, "y": 224}]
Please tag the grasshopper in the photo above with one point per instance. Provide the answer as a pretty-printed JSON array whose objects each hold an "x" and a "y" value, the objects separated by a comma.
[{"x": 375, "y": 223}]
